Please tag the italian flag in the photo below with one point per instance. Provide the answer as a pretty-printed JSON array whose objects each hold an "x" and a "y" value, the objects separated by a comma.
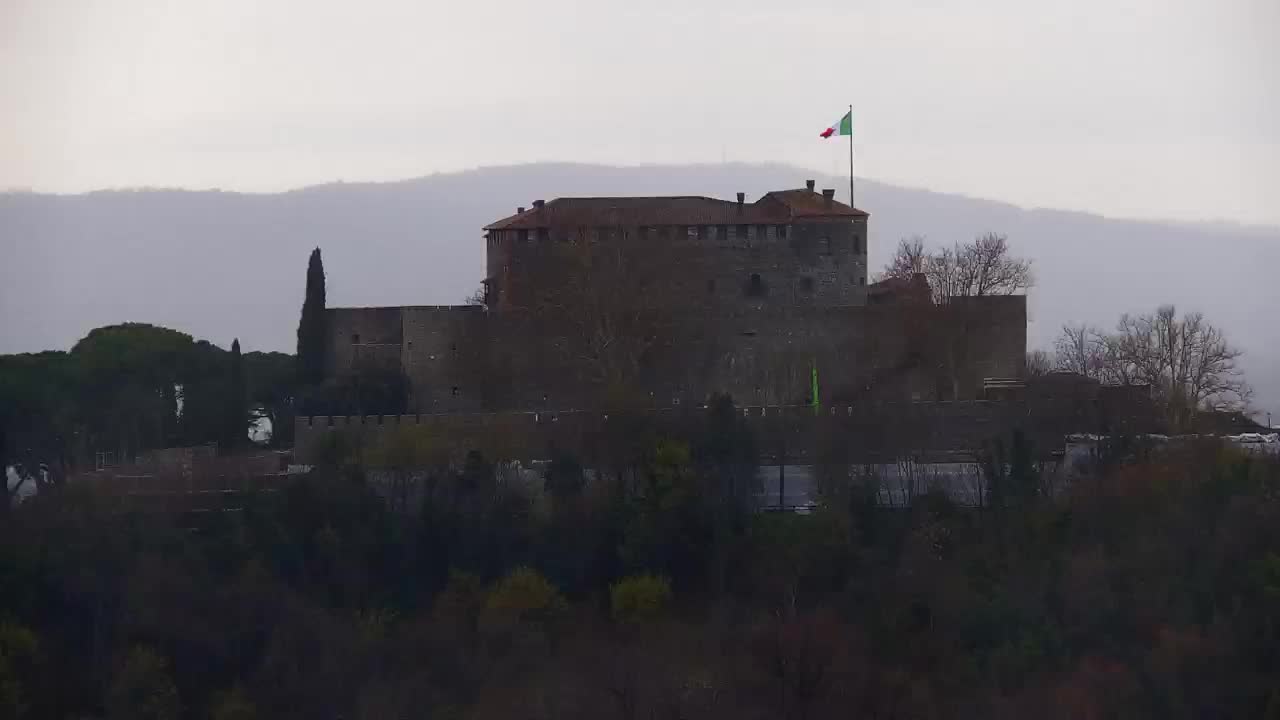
[{"x": 844, "y": 126}]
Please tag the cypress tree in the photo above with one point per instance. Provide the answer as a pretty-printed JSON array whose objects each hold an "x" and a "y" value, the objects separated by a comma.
[
  {"x": 237, "y": 422},
  {"x": 311, "y": 326}
]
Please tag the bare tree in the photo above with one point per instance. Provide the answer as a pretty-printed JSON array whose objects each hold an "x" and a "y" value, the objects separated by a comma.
[
  {"x": 979, "y": 268},
  {"x": 1087, "y": 350},
  {"x": 1186, "y": 360},
  {"x": 1081, "y": 349},
  {"x": 908, "y": 260},
  {"x": 987, "y": 268},
  {"x": 1039, "y": 362}
]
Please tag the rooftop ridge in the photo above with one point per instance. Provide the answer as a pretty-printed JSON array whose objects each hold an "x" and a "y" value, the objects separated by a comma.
[{"x": 772, "y": 207}]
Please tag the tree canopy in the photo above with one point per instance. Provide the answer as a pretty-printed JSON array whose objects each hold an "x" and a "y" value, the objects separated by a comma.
[
  {"x": 1187, "y": 361},
  {"x": 985, "y": 266},
  {"x": 127, "y": 388},
  {"x": 311, "y": 326}
]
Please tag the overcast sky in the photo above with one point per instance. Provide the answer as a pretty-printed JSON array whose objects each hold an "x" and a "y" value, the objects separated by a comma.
[{"x": 1137, "y": 108}]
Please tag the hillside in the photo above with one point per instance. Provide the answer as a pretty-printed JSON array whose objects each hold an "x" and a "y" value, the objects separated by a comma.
[{"x": 222, "y": 264}]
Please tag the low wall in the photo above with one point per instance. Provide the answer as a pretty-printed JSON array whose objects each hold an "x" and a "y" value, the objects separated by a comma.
[{"x": 877, "y": 432}]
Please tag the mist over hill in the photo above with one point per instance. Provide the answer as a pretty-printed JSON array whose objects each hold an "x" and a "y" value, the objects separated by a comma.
[{"x": 220, "y": 265}]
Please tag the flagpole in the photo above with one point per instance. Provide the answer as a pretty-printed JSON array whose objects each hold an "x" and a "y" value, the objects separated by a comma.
[{"x": 851, "y": 156}]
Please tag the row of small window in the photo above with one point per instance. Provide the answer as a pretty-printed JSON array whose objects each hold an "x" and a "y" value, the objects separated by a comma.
[
  {"x": 756, "y": 286},
  {"x": 741, "y": 233},
  {"x": 693, "y": 232},
  {"x": 453, "y": 348}
]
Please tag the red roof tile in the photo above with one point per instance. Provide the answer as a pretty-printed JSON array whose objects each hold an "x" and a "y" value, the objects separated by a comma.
[
  {"x": 775, "y": 207},
  {"x": 806, "y": 203}
]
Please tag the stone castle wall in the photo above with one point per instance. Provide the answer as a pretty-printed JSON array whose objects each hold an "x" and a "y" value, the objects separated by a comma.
[
  {"x": 813, "y": 263},
  {"x": 748, "y": 310},
  {"x": 467, "y": 359},
  {"x": 877, "y": 432}
]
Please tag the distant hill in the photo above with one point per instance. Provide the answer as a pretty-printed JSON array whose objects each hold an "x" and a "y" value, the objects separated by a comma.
[{"x": 221, "y": 265}]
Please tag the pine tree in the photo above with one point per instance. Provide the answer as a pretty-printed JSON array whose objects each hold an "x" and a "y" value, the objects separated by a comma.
[{"x": 311, "y": 326}]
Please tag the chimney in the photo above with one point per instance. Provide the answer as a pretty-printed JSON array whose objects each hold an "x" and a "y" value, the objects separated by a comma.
[
  {"x": 742, "y": 197},
  {"x": 808, "y": 185},
  {"x": 537, "y": 204},
  {"x": 827, "y": 195},
  {"x": 520, "y": 210}
]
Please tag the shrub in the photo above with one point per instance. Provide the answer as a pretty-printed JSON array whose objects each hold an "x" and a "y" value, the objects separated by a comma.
[
  {"x": 639, "y": 597},
  {"x": 142, "y": 689},
  {"x": 524, "y": 594}
]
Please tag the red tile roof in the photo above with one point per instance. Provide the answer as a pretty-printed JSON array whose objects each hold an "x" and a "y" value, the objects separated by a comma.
[
  {"x": 775, "y": 207},
  {"x": 899, "y": 288},
  {"x": 806, "y": 203}
]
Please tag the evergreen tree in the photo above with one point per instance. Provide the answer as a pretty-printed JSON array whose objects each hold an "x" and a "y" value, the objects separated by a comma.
[
  {"x": 311, "y": 326},
  {"x": 237, "y": 420}
]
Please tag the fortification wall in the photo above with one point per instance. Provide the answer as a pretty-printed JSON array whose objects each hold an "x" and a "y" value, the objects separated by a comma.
[
  {"x": 464, "y": 359},
  {"x": 362, "y": 337},
  {"x": 875, "y": 432},
  {"x": 443, "y": 346},
  {"x": 809, "y": 263},
  {"x": 997, "y": 334},
  {"x": 438, "y": 347}
]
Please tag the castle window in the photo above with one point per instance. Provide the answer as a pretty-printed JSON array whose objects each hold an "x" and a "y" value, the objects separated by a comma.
[
  {"x": 825, "y": 244},
  {"x": 522, "y": 235},
  {"x": 355, "y": 338},
  {"x": 782, "y": 232},
  {"x": 742, "y": 232},
  {"x": 762, "y": 232},
  {"x": 693, "y": 232},
  {"x": 722, "y": 233},
  {"x": 543, "y": 234},
  {"x": 454, "y": 391},
  {"x": 755, "y": 286}
]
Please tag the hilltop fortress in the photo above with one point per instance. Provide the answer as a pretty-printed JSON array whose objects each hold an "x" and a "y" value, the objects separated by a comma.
[
  {"x": 660, "y": 302},
  {"x": 593, "y": 308}
]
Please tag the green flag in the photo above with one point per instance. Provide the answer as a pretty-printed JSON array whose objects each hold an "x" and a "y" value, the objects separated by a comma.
[
  {"x": 816, "y": 405},
  {"x": 844, "y": 126}
]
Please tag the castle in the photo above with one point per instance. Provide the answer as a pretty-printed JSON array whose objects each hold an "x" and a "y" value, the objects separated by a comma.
[{"x": 659, "y": 302}]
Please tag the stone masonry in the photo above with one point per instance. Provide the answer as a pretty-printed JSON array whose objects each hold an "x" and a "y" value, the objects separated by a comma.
[{"x": 751, "y": 299}]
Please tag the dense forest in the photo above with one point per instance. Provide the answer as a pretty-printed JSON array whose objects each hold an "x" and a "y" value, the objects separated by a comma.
[
  {"x": 128, "y": 388},
  {"x": 649, "y": 590},
  {"x": 641, "y": 582}
]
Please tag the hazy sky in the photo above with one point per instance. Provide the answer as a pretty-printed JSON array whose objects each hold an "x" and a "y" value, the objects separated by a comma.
[{"x": 1147, "y": 108}]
